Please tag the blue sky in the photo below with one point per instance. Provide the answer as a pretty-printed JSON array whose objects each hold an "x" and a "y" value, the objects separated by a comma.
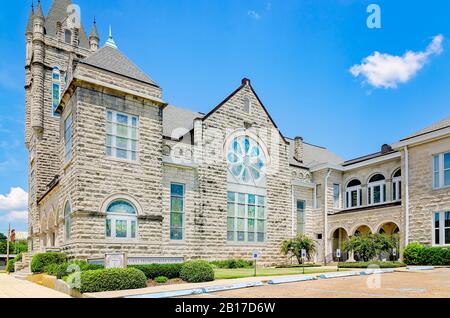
[{"x": 298, "y": 55}]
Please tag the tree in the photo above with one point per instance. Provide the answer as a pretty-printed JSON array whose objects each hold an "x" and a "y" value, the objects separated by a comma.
[
  {"x": 294, "y": 247},
  {"x": 370, "y": 246},
  {"x": 2, "y": 237}
]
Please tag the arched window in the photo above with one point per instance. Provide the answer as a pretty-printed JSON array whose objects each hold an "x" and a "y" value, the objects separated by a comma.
[
  {"x": 353, "y": 194},
  {"x": 397, "y": 185},
  {"x": 56, "y": 90},
  {"x": 68, "y": 36},
  {"x": 67, "y": 220},
  {"x": 121, "y": 220},
  {"x": 376, "y": 190},
  {"x": 246, "y": 160}
]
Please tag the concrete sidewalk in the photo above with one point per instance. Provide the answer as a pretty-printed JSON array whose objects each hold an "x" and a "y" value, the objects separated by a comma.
[{"x": 11, "y": 287}]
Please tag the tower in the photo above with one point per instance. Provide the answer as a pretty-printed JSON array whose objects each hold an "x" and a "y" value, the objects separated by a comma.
[
  {"x": 54, "y": 44},
  {"x": 94, "y": 39}
]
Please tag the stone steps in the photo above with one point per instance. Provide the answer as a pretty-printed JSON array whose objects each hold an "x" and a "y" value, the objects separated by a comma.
[{"x": 22, "y": 274}]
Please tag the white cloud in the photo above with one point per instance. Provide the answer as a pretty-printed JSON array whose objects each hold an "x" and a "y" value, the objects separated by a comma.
[
  {"x": 13, "y": 207},
  {"x": 16, "y": 200},
  {"x": 387, "y": 71},
  {"x": 254, "y": 15}
]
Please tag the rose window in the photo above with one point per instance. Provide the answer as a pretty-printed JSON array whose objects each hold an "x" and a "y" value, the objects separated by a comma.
[{"x": 246, "y": 159}]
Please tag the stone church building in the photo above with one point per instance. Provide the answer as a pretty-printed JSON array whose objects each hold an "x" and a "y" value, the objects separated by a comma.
[{"x": 114, "y": 168}]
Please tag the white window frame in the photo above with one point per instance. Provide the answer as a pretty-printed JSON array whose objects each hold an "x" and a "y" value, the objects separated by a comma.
[
  {"x": 348, "y": 197},
  {"x": 303, "y": 230},
  {"x": 127, "y": 217},
  {"x": 371, "y": 194},
  {"x": 396, "y": 184},
  {"x": 56, "y": 71},
  {"x": 183, "y": 213},
  {"x": 235, "y": 217},
  {"x": 129, "y": 138},
  {"x": 337, "y": 201},
  {"x": 68, "y": 141},
  {"x": 441, "y": 229},
  {"x": 440, "y": 171}
]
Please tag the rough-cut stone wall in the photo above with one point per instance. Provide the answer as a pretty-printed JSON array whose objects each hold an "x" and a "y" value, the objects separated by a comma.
[
  {"x": 424, "y": 200},
  {"x": 211, "y": 220}
]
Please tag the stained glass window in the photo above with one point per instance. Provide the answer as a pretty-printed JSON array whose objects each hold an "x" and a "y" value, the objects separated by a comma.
[
  {"x": 56, "y": 91},
  {"x": 176, "y": 211},
  {"x": 121, "y": 136},
  {"x": 121, "y": 221},
  {"x": 246, "y": 160}
]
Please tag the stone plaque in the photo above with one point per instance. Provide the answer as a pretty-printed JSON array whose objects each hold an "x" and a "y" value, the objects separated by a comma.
[{"x": 116, "y": 260}]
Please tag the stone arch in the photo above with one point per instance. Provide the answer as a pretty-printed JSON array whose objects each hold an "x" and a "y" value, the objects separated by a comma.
[
  {"x": 375, "y": 174},
  {"x": 395, "y": 228},
  {"x": 122, "y": 196},
  {"x": 356, "y": 228},
  {"x": 395, "y": 171}
]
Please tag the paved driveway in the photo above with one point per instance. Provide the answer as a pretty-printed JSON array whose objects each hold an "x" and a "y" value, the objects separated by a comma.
[
  {"x": 424, "y": 284},
  {"x": 11, "y": 287}
]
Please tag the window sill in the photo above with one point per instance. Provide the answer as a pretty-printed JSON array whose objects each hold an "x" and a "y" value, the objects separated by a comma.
[
  {"x": 246, "y": 244},
  {"x": 175, "y": 242},
  {"x": 442, "y": 188},
  {"x": 118, "y": 160}
]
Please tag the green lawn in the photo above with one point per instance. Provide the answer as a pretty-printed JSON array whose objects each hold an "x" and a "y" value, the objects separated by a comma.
[{"x": 250, "y": 272}]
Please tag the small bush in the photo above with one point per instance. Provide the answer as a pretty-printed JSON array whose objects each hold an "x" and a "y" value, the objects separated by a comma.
[
  {"x": 197, "y": 272},
  {"x": 10, "y": 263},
  {"x": 411, "y": 255},
  {"x": 161, "y": 279},
  {"x": 65, "y": 269},
  {"x": 111, "y": 279},
  {"x": 39, "y": 261},
  {"x": 232, "y": 264},
  {"x": 367, "y": 264},
  {"x": 155, "y": 270},
  {"x": 417, "y": 254}
]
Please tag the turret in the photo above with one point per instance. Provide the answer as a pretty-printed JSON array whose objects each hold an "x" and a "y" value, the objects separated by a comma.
[
  {"x": 37, "y": 70},
  {"x": 94, "y": 39}
]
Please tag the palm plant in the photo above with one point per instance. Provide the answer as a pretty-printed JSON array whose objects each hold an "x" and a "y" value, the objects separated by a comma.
[{"x": 294, "y": 247}]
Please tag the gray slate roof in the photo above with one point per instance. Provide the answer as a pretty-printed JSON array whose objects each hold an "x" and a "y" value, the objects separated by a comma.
[
  {"x": 313, "y": 155},
  {"x": 436, "y": 126},
  {"x": 112, "y": 60},
  {"x": 178, "y": 121},
  {"x": 57, "y": 13}
]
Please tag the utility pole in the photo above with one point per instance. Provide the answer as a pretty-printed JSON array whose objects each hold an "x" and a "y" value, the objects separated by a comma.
[{"x": 7, "y": 243}]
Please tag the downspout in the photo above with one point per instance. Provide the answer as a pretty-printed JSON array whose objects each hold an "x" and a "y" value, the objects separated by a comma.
[
  {"x": 407, "y": 196},
  {"x": 325, "y": 234},
  {"x": 293, "y": 212}
]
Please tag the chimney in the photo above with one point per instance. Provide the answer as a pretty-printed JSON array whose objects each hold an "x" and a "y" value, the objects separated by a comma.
[{"x": 298, "y": 149}]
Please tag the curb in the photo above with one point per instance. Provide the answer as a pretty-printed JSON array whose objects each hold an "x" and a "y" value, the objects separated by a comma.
[
  {"x": 339, "y": 275},
  {"x": 291, "y": 280},
  {"x": 171, "y": 294},
  {"x": 377, "y": 271},
  {"x": 419, "y": 268},
  {"x": 214, "y": 289}
]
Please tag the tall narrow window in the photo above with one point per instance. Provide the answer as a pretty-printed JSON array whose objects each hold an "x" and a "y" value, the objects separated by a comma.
[
  {"x": 121, "y": 220},
  {"x": 353, "y": 194},
  {"x": 177, "y": 200},
  {"x": 246, "y": 218},
  {"x": 33, "y": 185},
  {"x": 441, "y": 170},
  {"x": 67, "y": 220},
  {"x": 68, "y": 123},
  {"x": 376, "y": 190},
  {"x": 56, "y": 91},
  {"x": 397, "y": 186},
  {"x": 68, "y": 36},
  {"x": 441, "y": 229},
  {"x": 318, "y": 196},
  {"x": 122, "y": 136},
  {"x": 337, "y": 196},
  {"x": 301, "y": 205}
]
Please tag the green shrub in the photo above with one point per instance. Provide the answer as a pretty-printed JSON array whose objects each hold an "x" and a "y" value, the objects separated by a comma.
[
  {"x": 111, "y": 279},
  {"x": 417, "y": 254},
  {"x": 65, "y": 269},
  {"x": 39, "y": 261},
  {"x": 155, "y": 270},
  {"x": 10, "y": 263},
  {"x": 161, "y": 279},
  {"x": 197, "y": 272},
  {"x": 367, "y": 264},
  {"x": 232, "y": 263}
]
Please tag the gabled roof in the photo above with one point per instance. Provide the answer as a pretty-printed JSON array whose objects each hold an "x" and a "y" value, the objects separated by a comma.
[
  {"x": 112, "y": 60},
  {"x": 445, "y": 123},
  {"x": 246, "y": 81},
  {"x": 175, "y": 120},
  {"x": 57, "y": 13}
]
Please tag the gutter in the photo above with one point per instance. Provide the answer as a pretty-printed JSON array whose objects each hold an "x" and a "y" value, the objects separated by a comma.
[
  {"x": 325, "y": 234},
  {"x": 407, "y": 195}
]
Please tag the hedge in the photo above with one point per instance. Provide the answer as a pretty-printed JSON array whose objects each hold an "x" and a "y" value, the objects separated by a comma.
[
  {"x": 418, "y": 254},
  {"x": 375, "y": 263},
  {"x": 10, "y": 263},
  {"x": 39, "y": 261},
  {"x": 197, "y": 272},
  {"x": 232, "y": 263},
  {"x": 110, "y": 279},
  {"x": 61, "y": 270},
  {"x": 156, "y": 270}
]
